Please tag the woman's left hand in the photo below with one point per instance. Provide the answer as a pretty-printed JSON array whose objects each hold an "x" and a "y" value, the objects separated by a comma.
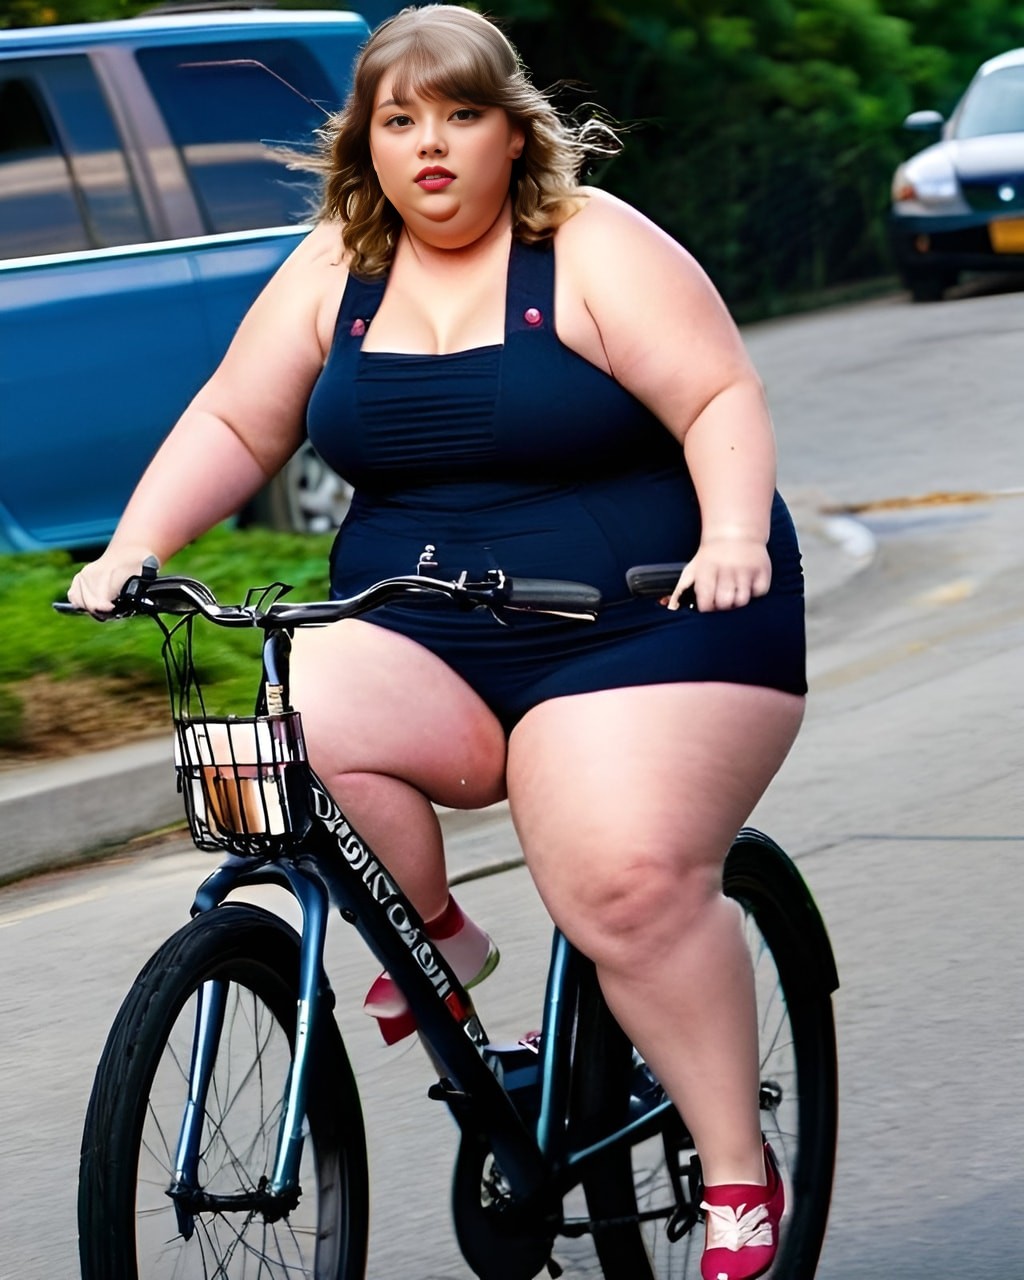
[{"x": 726, "y": 573}]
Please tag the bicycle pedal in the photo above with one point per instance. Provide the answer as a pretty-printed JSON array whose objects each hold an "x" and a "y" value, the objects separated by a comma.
[
  {"x": 444, "y": 1091},
  {"x": 682, "y": 1221}
]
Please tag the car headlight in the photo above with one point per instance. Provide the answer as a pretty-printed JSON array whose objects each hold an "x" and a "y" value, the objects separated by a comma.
[
  {"x": 902, "y": 187},
  {"x": 939, "y": 187},
  {"x": 931, "y": 184}
]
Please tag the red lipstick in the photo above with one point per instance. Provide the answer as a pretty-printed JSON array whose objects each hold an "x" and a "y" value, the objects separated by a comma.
[{"x": 434, "y": 178}]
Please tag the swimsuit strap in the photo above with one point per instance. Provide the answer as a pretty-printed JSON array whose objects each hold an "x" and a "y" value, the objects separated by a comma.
[
  {"x": 530, "y": 299},
  {"x": 359, "y": 304}
]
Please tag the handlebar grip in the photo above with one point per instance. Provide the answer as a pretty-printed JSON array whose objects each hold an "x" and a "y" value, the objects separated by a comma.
[
  {"x": 550, "y": 593},
  {"x": 129, "y": 593},
  {"x": 653, "y": 579}
]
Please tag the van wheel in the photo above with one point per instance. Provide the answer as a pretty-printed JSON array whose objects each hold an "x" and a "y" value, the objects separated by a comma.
[{"x": 306, "y": 497}]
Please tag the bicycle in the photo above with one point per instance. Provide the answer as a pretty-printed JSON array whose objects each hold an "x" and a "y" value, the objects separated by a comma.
[{"x": 224, "y": 1133}]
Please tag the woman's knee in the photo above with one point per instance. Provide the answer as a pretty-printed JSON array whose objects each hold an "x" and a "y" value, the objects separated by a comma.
[{"x": 624, "y": 912}]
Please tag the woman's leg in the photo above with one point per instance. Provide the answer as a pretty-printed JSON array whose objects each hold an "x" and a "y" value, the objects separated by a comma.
[
  {"x": 626, "y": 802},
  {"x": 390, "y": 728}
]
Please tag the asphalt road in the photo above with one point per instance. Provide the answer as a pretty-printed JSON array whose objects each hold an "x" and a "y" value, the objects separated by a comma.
[{"x": 902, "y": 801}]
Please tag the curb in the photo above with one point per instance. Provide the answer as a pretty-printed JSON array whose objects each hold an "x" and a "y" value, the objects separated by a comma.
[
  {"x": 69, "y": 810},
  {"x": 66, "y": 811}
]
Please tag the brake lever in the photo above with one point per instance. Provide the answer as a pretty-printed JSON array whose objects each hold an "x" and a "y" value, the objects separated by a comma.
[{"x": 133, "y": 591}]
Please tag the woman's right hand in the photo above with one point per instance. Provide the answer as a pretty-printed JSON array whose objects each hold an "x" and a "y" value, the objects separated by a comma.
[{"x": 97, "y": 585}]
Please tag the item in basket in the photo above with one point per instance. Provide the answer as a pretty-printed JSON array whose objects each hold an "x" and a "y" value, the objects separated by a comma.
[{"x": 241, "y": 776}]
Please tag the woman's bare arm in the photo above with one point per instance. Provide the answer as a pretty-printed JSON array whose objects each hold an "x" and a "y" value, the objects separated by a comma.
[
  {"x": 665, "y": 334},
  {"x": 237, "y": 433}
]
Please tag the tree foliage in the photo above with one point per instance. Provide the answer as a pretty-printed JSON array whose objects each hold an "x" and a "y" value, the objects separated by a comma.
[
  {"x": 761, "y": 133},
  {"x": 45, "y": 13}
]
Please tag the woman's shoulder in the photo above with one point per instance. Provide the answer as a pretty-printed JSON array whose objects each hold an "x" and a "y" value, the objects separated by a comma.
[
  {"x": 323, "y": 246},
  {"x": 305, "y": 292},
  {"x": 633, "y": 278},
  {"x": 612, "y": 231},
  {"x": 319, "y": 262},
  {"x": 600, "y": 213}
]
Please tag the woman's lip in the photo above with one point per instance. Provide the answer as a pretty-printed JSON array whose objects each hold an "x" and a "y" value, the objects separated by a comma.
[
  {"x": 435, "y": 181},
  {"x": 434, "y": 171}
]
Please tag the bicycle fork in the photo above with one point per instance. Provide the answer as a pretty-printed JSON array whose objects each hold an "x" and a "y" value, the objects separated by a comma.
[{"x": 279, "y": 1194}]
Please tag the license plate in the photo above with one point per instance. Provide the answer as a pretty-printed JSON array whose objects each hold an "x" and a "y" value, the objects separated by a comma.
[{"x": 1007, "y": 235}]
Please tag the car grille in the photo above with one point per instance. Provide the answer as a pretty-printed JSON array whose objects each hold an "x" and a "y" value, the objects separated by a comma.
[{"x": 990, "y": 194}]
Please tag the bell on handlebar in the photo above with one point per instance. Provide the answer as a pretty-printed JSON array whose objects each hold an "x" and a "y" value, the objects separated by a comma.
[{"x": 426, "y": 565}]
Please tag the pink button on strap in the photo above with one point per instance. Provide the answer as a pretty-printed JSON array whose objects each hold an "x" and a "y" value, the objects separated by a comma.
[
  {"x": 532, "y": 316},
  {"x": 358, "y": 328}
]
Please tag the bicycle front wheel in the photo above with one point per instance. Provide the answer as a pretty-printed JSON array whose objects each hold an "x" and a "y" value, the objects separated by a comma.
[
  {"x": 130, "y": 1228},
  {"x": 643, "y": 1202}
]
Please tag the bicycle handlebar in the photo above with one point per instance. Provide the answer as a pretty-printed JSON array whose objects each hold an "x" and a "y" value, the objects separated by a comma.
[{"x": 148, "y": 594}]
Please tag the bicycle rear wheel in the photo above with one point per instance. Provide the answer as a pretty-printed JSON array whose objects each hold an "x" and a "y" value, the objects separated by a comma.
[
  {"x": 129, "y": 1228},
  {"x": 660, "y": 1177}
]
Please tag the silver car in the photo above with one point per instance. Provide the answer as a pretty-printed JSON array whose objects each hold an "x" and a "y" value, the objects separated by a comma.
[{"x": 958, "y": 205}]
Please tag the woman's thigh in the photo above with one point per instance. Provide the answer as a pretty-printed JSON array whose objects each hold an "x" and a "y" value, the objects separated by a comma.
[
  {"x": 627, "y": 800},
  {"x": 373, "y": 701}
]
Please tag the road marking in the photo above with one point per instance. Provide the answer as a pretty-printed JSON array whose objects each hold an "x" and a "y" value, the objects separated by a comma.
[
  {"x": 488, "y": 869},
  {"x": 45, "y": 908},
  {"x": 949, "y": 593},
  {"x": 942, "y": 498},
  {"x": 993, "y": 621}
]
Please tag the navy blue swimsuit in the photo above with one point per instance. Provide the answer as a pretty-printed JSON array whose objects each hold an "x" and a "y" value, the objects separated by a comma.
[{"x": 525, "y": 457}]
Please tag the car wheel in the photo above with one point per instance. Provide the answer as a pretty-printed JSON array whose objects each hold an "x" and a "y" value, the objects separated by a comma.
[
  {"x": 307, "y": 496},
  {"x": 930, "y": 287}
]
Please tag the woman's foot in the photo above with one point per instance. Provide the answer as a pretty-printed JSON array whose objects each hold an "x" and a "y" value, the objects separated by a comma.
[
  {"x": 465, "y": 946},
  {"x": 743, "y": 1226}
]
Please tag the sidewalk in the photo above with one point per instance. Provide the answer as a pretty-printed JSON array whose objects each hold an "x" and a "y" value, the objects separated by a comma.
[{"x": 69, "y": 810}]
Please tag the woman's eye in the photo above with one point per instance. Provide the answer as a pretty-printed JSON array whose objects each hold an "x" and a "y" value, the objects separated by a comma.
[
  {"x": 399, "y": 121},
  {"x": 465, "y": 113}
]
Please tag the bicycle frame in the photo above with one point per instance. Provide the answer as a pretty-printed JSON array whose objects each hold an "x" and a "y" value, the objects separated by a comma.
[{"x": 334, "y": 869}]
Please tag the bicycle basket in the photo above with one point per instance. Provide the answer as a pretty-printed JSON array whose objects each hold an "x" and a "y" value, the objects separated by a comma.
[{"x": 244, "y": 781}]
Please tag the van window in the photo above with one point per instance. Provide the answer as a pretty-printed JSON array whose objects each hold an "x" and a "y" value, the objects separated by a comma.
[
  {"x": 110, "y": 202},
  {"x": 64, "y": 179},
  {"x": 39, "y": 206},
  {"x": 229, "y": 105}
]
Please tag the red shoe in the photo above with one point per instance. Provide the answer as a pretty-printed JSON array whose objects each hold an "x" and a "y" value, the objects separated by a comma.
[
  {"x": 465, "y": 946},
  {"x": 743, "y": 1226}
]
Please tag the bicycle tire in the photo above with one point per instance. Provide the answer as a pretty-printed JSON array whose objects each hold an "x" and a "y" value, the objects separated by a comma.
[
  {"x": 128, "y": 1227},
  {"x": 799, "y": 1092}
]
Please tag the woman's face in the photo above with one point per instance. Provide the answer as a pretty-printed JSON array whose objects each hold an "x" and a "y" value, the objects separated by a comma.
[{"x": 446, "y": 166}]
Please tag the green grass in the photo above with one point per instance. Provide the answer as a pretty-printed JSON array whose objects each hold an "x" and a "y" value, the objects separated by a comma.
[{"x": 38, "y": 641}]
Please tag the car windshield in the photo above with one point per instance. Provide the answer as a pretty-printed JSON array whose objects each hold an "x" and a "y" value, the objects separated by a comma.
[{"x": 995, "y": 104}]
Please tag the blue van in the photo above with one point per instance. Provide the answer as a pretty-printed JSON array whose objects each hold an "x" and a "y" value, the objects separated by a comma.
[{"x": 143, "y": 204}]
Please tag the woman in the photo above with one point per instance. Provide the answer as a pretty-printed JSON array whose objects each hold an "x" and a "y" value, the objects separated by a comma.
[{"x": 520, "y": 372}]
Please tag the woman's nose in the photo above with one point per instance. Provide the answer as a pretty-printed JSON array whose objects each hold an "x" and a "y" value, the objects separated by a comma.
[{"x": 432, "y": 143}]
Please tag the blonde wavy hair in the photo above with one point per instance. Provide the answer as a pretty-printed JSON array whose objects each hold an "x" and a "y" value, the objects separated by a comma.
[{"x": 445, "y": 51}]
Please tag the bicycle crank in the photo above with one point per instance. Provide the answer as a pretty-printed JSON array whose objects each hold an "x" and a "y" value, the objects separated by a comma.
[{"x": 501, "y": 1239}]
